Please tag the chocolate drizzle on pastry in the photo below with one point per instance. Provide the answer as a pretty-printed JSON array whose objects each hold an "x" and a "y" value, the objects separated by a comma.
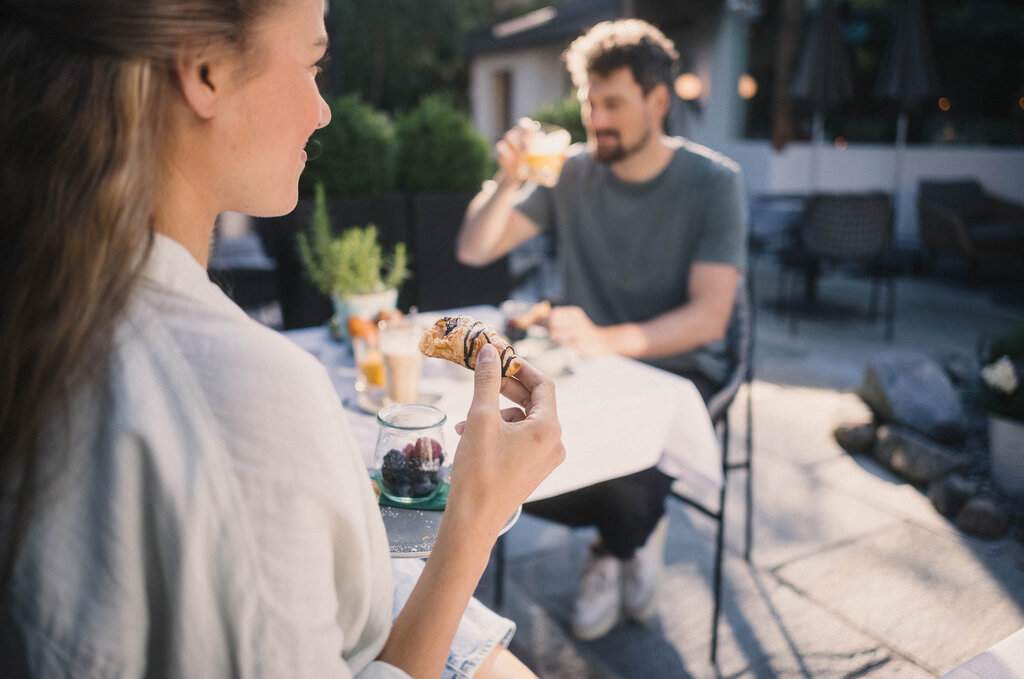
[{"x": 442, "y": 341}]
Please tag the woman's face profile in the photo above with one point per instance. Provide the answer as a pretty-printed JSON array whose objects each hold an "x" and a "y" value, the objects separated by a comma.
[{"x": 273, "y": 108}]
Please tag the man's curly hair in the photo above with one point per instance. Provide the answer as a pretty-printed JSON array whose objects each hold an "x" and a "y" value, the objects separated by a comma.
[{"x": 632, "y": 43}]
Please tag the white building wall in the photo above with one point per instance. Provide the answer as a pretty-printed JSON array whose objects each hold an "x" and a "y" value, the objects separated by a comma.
[{"x": 538, "y": 76}]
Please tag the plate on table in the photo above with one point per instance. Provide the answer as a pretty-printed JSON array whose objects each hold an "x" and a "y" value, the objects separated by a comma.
[
  {"x": 411, "y": 532},
  {"x": 546, "y": 355},
  {"x": 373, "y": 399}
]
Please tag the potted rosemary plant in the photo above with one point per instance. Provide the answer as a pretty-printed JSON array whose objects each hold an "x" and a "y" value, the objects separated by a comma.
[{"x": 351, "y": 267}]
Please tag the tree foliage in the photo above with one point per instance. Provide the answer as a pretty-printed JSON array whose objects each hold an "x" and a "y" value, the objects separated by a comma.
[
  {"x": 439, "y": 149},
  {"x": 355, "y": 154},
  {"x": 394, "y": 52}
]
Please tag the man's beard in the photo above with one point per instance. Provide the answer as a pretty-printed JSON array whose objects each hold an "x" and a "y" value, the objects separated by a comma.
[{"x": 619, "y": 152}]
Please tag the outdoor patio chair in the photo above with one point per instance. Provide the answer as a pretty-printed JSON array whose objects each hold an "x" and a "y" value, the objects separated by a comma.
[
  {"x": 840, "y": 233},
  {"x": 957, "y": 217},
  {"x": 740, "y": 349}
]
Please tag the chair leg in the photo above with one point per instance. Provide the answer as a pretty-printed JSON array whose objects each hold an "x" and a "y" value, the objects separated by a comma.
[
  {"x": 499, "y": 573},
  {"x": 791, "y": 308},
  {"x": 873, "y": 300},
  {"x": 748, "y": 538},
  {"x": 720, "y": 542},
  {"x": 890, "y": 309}
]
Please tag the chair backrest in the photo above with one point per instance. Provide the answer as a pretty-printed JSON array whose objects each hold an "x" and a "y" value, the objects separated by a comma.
[
  {"x": 847, "y": 226},
  {"x": 963, "y": 196},
  {"x": 739, "y": 343}
]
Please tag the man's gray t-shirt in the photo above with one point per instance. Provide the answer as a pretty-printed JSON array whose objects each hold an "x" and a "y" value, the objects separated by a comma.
[{"x": 625, "y": 248}]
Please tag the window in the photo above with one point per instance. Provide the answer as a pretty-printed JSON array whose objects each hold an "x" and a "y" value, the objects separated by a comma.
[{"x": 979, "y": 58}]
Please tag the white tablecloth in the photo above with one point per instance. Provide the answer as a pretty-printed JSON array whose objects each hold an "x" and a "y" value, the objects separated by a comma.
[{"x": 618, "y": 415}]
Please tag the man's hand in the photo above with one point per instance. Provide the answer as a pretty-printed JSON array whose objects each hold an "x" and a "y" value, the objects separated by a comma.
[
  {"x": 571, "y": 326},
  {"x": 511, "y": 151}
]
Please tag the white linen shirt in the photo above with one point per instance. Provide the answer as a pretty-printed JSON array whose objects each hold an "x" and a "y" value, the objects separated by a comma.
[{"x": 211, "y": 516}]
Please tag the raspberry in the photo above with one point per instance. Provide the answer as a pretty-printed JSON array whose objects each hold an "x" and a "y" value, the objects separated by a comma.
[{"x": 428, "y": 449}]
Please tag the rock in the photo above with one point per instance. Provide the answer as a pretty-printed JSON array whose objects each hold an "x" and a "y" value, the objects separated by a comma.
[
  {"x": 983, "y": 518},
  {"x": 913, "y": 391},
  {"x": 855, "y": 437},
  {"x": 854, "y": 427},
  {"x": 961, "y": 367},
  {"x": 915, "y": 458},
  {"x": 950, "y": 492}
]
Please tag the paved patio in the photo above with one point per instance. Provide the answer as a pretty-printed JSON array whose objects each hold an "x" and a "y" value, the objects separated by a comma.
[{"x": 853, "y": 573}]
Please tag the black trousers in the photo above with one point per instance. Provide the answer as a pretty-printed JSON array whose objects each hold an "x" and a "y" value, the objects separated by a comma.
[{"x": 624, "y": 510}]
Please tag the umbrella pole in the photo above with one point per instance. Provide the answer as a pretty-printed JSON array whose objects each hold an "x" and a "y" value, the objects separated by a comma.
[
  {"x": 817, "y": 142},
  {"x": 897, "y": 193}
]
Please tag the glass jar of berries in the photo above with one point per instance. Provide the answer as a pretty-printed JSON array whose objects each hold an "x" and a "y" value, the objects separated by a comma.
[{"x": 411, "y": 465}]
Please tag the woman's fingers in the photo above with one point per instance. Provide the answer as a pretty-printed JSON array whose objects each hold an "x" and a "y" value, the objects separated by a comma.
[
  {"x": 513, "y": 390},
  {"x": 507, "y": 414},
  {"x": 513, "y": 414}
]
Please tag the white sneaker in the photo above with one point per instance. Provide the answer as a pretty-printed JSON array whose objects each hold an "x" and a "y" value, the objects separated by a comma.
[
  {"x": 641, "y": 574},
  {"x": 596, "y": 609}
]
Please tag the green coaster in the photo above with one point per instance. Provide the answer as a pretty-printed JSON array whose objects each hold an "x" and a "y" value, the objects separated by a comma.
[{"x": 435, "y": 502}]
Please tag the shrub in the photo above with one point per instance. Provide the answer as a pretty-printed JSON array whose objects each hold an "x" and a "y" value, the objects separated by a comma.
[
  {"x": 439, "y": 149},
  {"x": 1002, "y": 373},
  {"x": 564, "y": 112},
  {"x": 358, "y": 151}
]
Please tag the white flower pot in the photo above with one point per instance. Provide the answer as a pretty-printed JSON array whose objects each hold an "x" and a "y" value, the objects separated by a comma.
[
  {"x": 1006, "y": 447},
  {"x": 362, "y": 305}
]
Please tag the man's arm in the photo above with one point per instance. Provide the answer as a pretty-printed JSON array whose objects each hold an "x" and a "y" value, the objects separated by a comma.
[
  {"x": 492, "y": 226},
  {"x": 703, "y": 319}
]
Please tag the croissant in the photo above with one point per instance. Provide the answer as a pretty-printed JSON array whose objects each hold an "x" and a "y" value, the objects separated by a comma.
[{"x": 459, "y": 339}]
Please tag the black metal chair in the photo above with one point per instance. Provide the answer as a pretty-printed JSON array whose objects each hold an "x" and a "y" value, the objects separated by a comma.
[
  {"x": 841, "y": 232},
  {"x": 740, "y": 348}
]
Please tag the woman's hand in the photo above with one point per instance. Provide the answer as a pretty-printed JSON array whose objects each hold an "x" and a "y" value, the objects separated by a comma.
[{"x": 504, "y": 454}]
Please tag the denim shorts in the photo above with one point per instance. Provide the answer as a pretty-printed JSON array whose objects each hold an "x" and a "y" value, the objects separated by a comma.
[{"x": 480, "y": 631}]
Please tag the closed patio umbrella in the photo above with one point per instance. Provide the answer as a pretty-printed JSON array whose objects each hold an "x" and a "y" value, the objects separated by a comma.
[
  {"x": 908, "y": 76},
  {"x": 824, "y": 78}
]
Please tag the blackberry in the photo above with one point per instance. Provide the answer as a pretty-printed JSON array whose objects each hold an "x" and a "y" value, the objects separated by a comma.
[{"x": 393, "y": 469}]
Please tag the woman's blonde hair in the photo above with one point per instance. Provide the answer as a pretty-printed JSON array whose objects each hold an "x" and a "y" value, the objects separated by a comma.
[{"x": 82, "y": 87}]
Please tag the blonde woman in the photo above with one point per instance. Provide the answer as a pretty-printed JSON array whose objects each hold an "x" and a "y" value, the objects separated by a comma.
[{"x": 179, "y": 492}]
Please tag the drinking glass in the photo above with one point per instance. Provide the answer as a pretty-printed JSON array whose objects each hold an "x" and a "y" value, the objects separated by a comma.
[
  {"x": 411, "y": 463},
  {"x": 370, "y": 363},
  {"x": 546, "y": 146},
  {"x": 403, "y": 362}
]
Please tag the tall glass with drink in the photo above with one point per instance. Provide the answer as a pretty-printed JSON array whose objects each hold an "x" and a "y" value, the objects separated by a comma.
[
  {"x": 403, "y": 363},
  {"x": 546, "y": 146}
]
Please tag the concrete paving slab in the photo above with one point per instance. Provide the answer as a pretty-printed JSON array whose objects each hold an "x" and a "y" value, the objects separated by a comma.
[
  {"x": 795, "y": 422},
  {"x": 796, "y": 515},
  {"x": 934, "y": 600}
]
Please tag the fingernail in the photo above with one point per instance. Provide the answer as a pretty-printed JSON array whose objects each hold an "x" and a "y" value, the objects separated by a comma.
[{"x": 487, "y": 354}]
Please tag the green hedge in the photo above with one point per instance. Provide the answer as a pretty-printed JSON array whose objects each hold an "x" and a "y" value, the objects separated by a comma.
[
  {"x": 439, "y": 149},
  {"x": 358, "y": 151},
  {"x": 565, "y": 113}
]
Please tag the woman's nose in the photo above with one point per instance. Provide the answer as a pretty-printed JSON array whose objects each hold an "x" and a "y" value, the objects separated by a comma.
[{"x": 325, "y": 113}]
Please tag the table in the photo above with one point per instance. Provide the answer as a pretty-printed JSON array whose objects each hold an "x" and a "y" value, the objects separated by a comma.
[{"x": 618, "y": 415}]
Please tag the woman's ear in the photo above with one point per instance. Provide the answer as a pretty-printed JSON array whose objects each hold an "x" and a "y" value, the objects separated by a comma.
[{"x": 202, "y": 74}]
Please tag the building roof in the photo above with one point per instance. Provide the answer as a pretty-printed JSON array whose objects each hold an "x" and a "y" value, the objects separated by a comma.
[{"x": 549, "y": 25}]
